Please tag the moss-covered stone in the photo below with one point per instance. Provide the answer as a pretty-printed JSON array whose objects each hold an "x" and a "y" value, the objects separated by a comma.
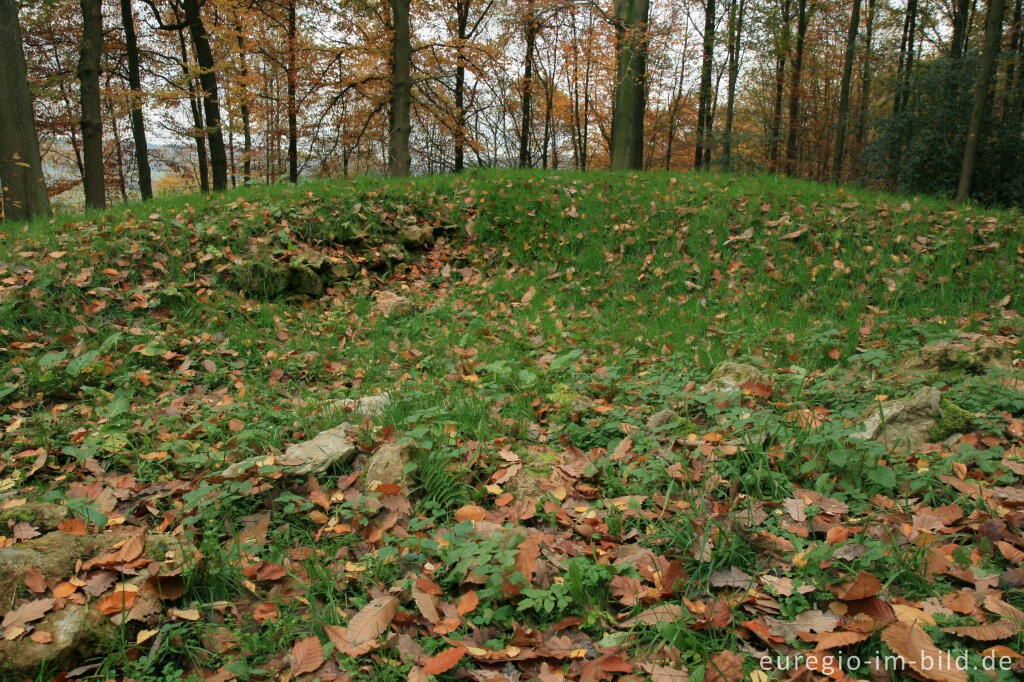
[{"x": 954, "y": 419}]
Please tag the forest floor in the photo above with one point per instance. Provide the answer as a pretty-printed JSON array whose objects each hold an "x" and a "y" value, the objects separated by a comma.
[{"x": 564, "y": 482}]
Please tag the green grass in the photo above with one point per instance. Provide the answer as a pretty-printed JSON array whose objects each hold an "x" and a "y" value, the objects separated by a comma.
[{"x": 622, "y": 288}]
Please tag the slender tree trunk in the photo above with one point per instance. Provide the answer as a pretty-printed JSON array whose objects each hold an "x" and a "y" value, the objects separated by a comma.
[
  {"x": 993, "y": 31},
  {"x": 122, "y": 183},
  {"x": 735, "y": 42},
  {"x": 401, "y": 89},
  {"x": 626, "y": 147},
  {"x": 906, "y": 61},
  {"x": 775, "y": 135},
  {"x": 135, "y": 83},
  {"x": 211, "y": 100},
  {"x": 199, "y": 130},
  {"x": 844, "y": 91},
  {"x": 22, "y": 187},
  {"x": 244, "y": 107},
  {"x": 293, "y": 115},
  {"x": 674, "y": 111},
  {"x": 700, "y": 158},
  {"x": 865, "y": 92},
  {"x": 1013, "y": 68},
  {"x": 527, "y": 96},
  {"x": 794, "y": 87},
  {"x": 462, "y": 23},
  {"x": 90, "y": 50}
]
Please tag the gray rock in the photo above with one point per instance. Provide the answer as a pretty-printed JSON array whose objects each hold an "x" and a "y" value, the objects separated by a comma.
[
  {"x": 968, "y": 355},
  {"x": 730, "y": 376},
  {"x": 415, "y": 235},
  {"x": 390, "y": 304},
  {"x": 902, "y": 424},
  {"x": 44, "y": 516},
  {"x": 308, "y": 457},
  {"x": 368, "y": 406},
  {"x": 54, "y": 554},
  {"x": 79, "y": 633},
  {"x": 662, "y": 418},
  {"x": 387, "y": 466}
]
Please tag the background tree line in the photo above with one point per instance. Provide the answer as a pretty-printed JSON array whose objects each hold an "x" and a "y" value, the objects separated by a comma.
[{"x": 109, "y": 100}]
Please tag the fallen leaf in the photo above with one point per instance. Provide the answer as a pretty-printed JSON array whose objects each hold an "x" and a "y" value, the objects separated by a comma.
[
  {"x": 444, "y": 661},
  {"x": 920, "y": 653},
  {"x": 307, "y": 655},
  {"x": 28, "y": 612},
  {"x": 372, "y": 620}
]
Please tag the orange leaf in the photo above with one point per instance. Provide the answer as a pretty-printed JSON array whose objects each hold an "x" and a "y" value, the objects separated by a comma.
[
  {"x": 863, "y": 586},
  {"x": 467, "y": 602},
  {"x": 470, "y": 512},
  {"x": 444, "y": 661},
  {"x": 116, "y": 602}
]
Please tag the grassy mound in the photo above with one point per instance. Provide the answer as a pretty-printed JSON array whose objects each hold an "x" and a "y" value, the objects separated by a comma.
[{"x": 144, "y": 349}]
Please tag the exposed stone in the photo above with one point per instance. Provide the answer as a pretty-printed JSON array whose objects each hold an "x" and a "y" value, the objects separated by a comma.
[
  {"x": 662, "y": 418},
  {"x": 730, "y": 376},
  {"x": 368, "y": 406},
  {"x": 308, "y": 457},
  {"x": 45, "y": 516},
  {"x": 391, "y": 304},
  {"x": 415, "y": 235},
  {"x": 79, "y": 633},
  {"x": 971, "y": 355},
  {"x": 387, "y": 466},
  {"x": 902, "y": 424},
  {"x": 54, "y": 554}
]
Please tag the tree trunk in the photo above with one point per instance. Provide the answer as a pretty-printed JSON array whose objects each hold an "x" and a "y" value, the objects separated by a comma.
[
  {"x": 794, "y": 87},
  {"x": 91, "y": 123},
  {"x": 775, "y": 135},
  {"x": 22, "y": 187},
  {"x": 961, "y": 11},
  {"x": 293, "y": 115},
  {"x": 844, "y": 91},
  {"x": 674, "y": 111},
  {"x": 527, "y": 96},
  {"x": 865, "y": 92},
  {"x": 135, "y": 83},
  {"x": 211, "y": 100},
  {"x": 735, "y": 41},
  {"x": 1011, "y": 101},
  {"x": 401, "y": 89},
  {"x": 702, "y": 158},
  {"x": 627, "y": 136},
  {"x": 462, "y": 24},
  {"x": 244, "y": 108},
  {"x": 993, "y": 31},
  {"x": 199, "y": 131},
  {"x": 905, "y": 65}
]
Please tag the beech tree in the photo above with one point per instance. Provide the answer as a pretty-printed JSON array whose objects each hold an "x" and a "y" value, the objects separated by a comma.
[
  {"x": 627, "y": 135},
  {"x": 22, "y": 187}
]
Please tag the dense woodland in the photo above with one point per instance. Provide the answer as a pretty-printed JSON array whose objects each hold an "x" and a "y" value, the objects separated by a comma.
[{"x": 110, "y": 101}]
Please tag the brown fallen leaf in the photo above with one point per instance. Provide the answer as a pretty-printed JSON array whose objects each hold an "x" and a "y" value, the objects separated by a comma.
[
  {"x": 863, "y": 586},
  {"x": 307, "y": 655},
  {"x": 662, "y": 613},
  {"x": 919, "y": 652},
  {"x": 35, "y": 581},
  {"x": 987, "y": 632},
  {"x": 339, "y": 637},
  {"x": 724, "y": 666},
  {"x": 41, "y": 637},
  {"x": 27, "y": 612},
  {"x": 372, "y": 620}
]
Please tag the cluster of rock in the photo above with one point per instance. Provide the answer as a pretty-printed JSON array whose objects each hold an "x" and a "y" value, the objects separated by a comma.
[{"x": 69, "y": 632}]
